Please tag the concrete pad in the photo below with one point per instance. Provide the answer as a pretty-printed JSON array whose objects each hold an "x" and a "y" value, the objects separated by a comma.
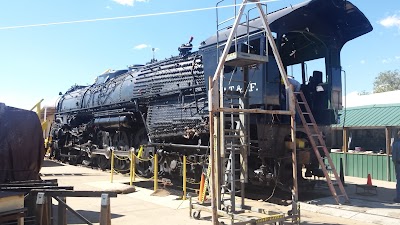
[
  {"x": 118, "y": 187},
  {"x": 337, "y": 212},
  {"x": 375, "y": 219},
  {"x": 309, "y": 207},
  {"x": 394, "y": 212},
  {"x": 140, "y": 207},
  {"x": 170, "y": 201}
]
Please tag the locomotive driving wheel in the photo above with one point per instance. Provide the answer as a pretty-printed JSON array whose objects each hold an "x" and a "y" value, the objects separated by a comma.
[
  {"x": 121, "y": 143},
  {"x": 102, "y": 162},
  {"x": 144, "y": 162}
]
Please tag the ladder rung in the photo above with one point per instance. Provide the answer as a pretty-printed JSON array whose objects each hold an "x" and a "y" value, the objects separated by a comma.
[
  {"x": 233, "y": 103},
  {"x": 314, "y": 135},
  {"x": 232, "y": 145},
  {"x": 310, "y": 124},
  {"x": 228, "y": 171},
  {"x": 229, "y": 151},
  {"x": 320, "y": 146},
  {"x": 233, "y": 136},
  {"x": 232, "y": 130},
  {"x": 235, "y": 97},
  {"x": 232, "y": 113},
  {"x": 306, "y": 113}
]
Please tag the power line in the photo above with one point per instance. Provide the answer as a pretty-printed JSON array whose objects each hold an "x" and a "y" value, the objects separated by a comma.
[{"x": 127, "y": 17}]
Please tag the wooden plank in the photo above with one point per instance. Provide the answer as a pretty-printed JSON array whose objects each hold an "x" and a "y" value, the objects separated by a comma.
[
  {"x": 13, "y": 215},
  {"x": 345, "y": 140},
  {"x": 11, "y": 201},
  {"x": 105, "y": 212},
  {"x": 62, "y": 212},
  {"x": 47, "y": 184},
  {"x": 40, "y": 209},
  {"x": 37, "y": 189},
  {"x": 71, "y": 193},
  {"x": 33, "y": 181}
]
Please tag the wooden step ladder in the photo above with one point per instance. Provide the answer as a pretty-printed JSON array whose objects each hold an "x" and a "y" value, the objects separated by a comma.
[{"x": 318, "y": 144}]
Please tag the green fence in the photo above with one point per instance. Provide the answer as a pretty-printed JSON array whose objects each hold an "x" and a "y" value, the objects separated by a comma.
[{"x": 360, "y": 165}]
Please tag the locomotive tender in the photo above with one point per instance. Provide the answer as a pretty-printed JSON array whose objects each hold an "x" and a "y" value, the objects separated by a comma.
[{"x": 165, "y": 102}]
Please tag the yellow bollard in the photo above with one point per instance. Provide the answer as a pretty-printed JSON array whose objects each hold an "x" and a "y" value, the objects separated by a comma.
[
  {"x": 139, "y": 155},
  {"x": 132, "y": 168},
  {"x": 184, "y": 178},
  {"x": 112, "y": 165},
  {"x": 155, "y": 172}
]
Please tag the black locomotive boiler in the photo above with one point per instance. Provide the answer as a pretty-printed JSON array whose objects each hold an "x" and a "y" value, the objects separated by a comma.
[{"x": 165, "y": 104}]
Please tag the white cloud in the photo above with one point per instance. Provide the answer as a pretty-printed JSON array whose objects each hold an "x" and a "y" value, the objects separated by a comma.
[
  {"x": 125, "y": 2},
  {"x": 391, "y": 60},
  {"x": 141, "y": 46},
  {"x": 129, "y": 2},
  {"x": 108, "y": 7},
  {"x": 391, "y": 21},
  {"x": 362, "y": 61}
]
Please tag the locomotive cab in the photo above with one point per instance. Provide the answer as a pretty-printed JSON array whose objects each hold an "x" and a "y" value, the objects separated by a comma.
[{"x": 309, "y": 37}]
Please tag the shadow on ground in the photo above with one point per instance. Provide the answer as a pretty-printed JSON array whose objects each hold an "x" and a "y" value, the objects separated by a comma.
[
  {"x": 92, "y": 216},
  {"x": 48, "y": 163},
  {"x": 63, "y": 174}
]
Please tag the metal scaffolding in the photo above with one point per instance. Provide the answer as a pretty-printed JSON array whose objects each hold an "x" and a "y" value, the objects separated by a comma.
[{"x": 228, "y": 113}]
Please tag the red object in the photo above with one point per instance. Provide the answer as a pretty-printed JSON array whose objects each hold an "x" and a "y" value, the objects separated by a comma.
[{"x": 369, "y": 180}]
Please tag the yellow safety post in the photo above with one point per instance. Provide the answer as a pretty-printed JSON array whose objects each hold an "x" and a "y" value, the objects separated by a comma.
[
  {"x": 155, "y": 172},
  {"x": 139, "y": 155},
  {"x": 112, "y": 165},
  {"x": 132, "y": 168},
  {"x": 184, "y": 178}
]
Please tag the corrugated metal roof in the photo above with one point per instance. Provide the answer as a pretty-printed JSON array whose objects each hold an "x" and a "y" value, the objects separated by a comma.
[{"x": 370, "y": 116}]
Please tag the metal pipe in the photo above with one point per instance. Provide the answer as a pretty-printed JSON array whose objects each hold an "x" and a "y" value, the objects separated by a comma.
[
  {"x": 184, "y": 178},
  {"x": 214, "y": 215}
]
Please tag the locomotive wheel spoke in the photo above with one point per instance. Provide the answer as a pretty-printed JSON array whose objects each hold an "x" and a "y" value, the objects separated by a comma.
[
  {"x": 121, "y": 143},
  {"x": 144, "y": 167}
]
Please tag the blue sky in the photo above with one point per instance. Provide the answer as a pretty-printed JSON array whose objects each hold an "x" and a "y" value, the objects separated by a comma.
[{"x": 39, "y": 62}]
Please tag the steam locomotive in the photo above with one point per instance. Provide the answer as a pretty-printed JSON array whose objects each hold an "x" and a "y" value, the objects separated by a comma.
[{"x": 164, "y": 103}]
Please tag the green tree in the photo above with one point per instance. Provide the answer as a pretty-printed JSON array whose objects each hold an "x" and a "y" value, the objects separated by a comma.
[{"x": 387, "y": 81}]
